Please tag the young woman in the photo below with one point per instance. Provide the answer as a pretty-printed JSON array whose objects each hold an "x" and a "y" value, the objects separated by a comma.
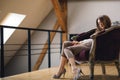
[{"x": 72, "y": 48}]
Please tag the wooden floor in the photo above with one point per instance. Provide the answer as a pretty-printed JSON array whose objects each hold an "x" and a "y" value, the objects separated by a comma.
[{"x": 46, "y": 74}]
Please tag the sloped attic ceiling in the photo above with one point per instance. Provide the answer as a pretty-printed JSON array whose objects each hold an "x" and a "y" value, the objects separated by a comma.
[{"x": 35, "y": 11}]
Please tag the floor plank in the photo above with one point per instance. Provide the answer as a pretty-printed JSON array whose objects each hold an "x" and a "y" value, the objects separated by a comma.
[{"x": 46, "y": 74}]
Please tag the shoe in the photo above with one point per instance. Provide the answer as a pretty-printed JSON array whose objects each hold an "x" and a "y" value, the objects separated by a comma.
[
  {"x": 81, "y": 72},
  {"x": 78, "y": 73},
  {"x": 58, "y": 76}
]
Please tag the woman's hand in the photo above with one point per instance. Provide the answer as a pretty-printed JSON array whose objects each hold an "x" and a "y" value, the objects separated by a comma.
[{"x": 75, "y": 42}]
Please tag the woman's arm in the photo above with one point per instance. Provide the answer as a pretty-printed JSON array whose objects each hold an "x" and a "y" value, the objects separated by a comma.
[{"x": 84, "y": 35}]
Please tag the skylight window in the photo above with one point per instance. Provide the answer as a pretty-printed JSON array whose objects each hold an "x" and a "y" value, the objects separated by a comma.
[{"x": 12, "y": 19}]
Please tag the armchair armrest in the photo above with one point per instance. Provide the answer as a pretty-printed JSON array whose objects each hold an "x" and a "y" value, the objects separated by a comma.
[{"x": 92, "y": 51}]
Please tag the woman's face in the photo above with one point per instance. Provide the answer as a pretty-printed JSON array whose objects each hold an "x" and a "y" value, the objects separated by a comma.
[{"x": 101, "y": 25}]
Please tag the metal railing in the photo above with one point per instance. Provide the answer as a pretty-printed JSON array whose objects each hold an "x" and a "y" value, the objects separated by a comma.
[{"x": 2, "y": 68}]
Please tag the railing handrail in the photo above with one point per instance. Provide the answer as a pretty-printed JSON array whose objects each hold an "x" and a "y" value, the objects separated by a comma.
[{"x": 24, "y": 28}]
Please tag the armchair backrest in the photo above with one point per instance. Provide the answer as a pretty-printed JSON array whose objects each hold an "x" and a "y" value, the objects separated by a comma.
[{"x": 108, "y": 44}]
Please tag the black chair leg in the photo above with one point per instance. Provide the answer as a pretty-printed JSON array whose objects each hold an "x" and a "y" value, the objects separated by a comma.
[
  {"x": 118, "y": 69},
  {"x": 103, "y": 68},
  {"x": 91, "y": 71}
]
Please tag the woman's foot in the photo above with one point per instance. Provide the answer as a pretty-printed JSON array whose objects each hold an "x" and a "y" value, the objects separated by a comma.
[
  {"x": 77, "y": 73},
  {"x": 57, "y": 76}
]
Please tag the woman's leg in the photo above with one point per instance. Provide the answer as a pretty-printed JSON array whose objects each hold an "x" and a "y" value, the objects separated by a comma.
[
  {"x": 63, "y": 59},
  {"x": 71, "y": 60},
  {"x": 61, "y": 68},
  {"x": 71, "y": 51},
  {"x": 64, "y": 45},
  {"x": 76, "y": 71}
]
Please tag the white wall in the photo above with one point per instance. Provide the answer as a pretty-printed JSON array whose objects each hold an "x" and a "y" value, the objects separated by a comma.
[
  {"x": 82, "y": 14},
  {"x": 81, "y": 17}
]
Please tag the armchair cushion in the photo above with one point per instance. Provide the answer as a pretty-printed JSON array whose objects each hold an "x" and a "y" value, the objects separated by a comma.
[{"x": 82, "y": 56}]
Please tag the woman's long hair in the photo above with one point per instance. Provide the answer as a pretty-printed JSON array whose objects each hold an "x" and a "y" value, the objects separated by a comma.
[{"x": 105, "y": 20}]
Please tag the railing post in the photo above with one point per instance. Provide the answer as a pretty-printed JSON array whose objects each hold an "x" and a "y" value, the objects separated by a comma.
[
  {"x": 2, "y": 54},
  {"x": 49, "y": 52},
  {"x": 60, "y": 42},
  {"x": 29, "y": 51}
]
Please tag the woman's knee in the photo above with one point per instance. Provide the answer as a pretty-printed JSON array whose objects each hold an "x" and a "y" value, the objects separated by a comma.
[
  {"x": 67, "y": 43},
  {"x": 65, "y": 50},
  {"x": 68, "y": 53}
]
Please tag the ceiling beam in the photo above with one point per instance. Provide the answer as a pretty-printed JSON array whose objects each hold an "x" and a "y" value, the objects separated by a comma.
[{"x": 60, "y": 7}]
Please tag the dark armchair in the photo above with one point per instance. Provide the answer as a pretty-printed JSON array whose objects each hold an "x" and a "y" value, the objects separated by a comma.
[{"x": 106, "y": 48}]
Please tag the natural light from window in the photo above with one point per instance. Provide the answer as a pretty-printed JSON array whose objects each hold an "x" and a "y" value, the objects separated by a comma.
[{"x": 12, "y": 19}]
